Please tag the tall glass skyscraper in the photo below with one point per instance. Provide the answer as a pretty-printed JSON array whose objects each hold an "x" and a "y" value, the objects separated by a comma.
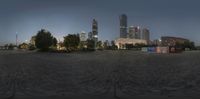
[{"x": 123, "y": 26}]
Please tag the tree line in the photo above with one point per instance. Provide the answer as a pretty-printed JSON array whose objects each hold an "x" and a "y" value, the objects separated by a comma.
[{"x": 44, "y": 41}]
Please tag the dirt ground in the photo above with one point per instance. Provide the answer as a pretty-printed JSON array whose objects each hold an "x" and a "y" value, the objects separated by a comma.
[{"x": 107, "y": 74}]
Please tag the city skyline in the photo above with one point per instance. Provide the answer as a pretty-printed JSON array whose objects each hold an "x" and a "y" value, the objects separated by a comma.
[{"x": 178, "y": 18}]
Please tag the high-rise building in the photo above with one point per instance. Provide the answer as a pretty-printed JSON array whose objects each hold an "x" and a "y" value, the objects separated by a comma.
[
  {"x": 90, "y": 35},
  {"x": 134, "y": 32},
  {"x": 145, "y": 34},
  {"x": 123, "y": 26},
  {"x": 95, "y": 30},
  {"x": 137, "y": 33},
  {"x": 82, "y": 36},
  {"x": 131, "y": 33}
]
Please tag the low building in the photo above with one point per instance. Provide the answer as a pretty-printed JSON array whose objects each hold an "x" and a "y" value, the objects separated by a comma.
[
  {"x": 23, "y": 46},
  {"x": 121, "y": 42},
  {"x": 158, "y": 49},
  {"x": 172, "y": 41}
]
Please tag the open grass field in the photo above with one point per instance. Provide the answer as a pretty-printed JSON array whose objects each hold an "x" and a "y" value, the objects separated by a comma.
[{"x": 100, "y": 74}]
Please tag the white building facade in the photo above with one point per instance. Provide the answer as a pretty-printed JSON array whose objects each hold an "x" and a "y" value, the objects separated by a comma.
[{"x": 121, "y": 42}]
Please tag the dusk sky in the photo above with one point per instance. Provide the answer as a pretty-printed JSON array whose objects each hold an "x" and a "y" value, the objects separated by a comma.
[{"x": 179, "y": 18}]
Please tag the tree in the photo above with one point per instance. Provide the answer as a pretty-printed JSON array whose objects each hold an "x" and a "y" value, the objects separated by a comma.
[
  {"x": 83, "y": 45},
  {"x": 55, "y": 41},
  {"x": 106, "y": 44},
  {"x": 188, "y": 44},
  {"x": 43, "y": 40},
  {"x": 113, "y": 46},
  {"x": 99, "y": 45},
  {"x": 11, "y": 46},
  {"x": 31, "y": 47},
  {"x": 6, "y": 46},
  {"x": 90, "y": 44},
  {"x": 71, "y": 42},
  {"x": 140, "y": 45},
  {"x": 129, "y": 46},
  {"x": 192, "y": 45}
]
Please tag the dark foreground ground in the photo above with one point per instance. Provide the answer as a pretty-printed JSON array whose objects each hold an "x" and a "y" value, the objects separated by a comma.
[{"x": 99, "y": 75}]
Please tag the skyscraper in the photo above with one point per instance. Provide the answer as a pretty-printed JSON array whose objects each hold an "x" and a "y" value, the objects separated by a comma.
[
  {"x": 137, "y": 33},
  {"x": 90, "y": 35},
  {"x": 95, "y": 30},
  {"x": 123, "y": 26},
  {"x": 82, "y": 36},
  {"x": 145, "y": 34},
  {"x": 132, "y": 32}
]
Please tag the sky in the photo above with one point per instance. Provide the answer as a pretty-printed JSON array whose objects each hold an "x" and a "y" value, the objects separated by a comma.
[{"x": 180, "y": 18}]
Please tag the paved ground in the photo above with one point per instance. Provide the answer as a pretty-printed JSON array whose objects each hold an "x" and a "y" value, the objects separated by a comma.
[{"x": 125, "y": 74}]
